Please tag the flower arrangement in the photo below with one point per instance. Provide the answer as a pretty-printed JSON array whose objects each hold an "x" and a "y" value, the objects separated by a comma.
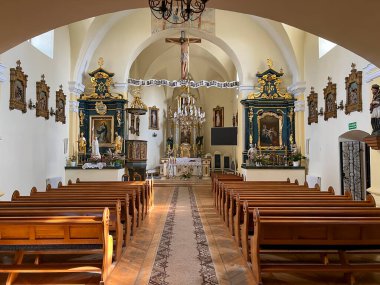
[
  {"x": 297, "y": 156},
  {"x": 186, "y": 174}
]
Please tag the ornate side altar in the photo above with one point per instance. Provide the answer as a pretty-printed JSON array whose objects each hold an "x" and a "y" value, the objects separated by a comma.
[
  {"x": 101, "y": 116},
  {"x": 270, "y": 132}
]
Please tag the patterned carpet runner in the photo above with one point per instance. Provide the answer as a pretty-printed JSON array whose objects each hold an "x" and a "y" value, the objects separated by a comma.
[{"x": 183, "y": 255}]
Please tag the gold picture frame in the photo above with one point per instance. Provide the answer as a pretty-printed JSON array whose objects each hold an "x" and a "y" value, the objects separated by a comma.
[
  {"x": 18, "y": 83},
  {"x": 269, "y": 130},
  {"x": 330, "y": 100},
  {"x": 60, "y": 106},
  {"x": 153, "y": 118},
  {"x": 218, "y": 117},
  {"x": 312, "y": 103},
  {"x": 102, "y": 127},
  {"x": 354, "y": 101},
  {"x": 42, "y": 95}
]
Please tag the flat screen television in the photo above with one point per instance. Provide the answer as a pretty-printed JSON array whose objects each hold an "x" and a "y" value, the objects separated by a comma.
[{"x": 224, "y": 136}]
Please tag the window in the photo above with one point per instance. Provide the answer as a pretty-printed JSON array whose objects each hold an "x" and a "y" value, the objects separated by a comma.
[
  {"x": 325, "y": 46},
  {"x": 44, "y": 43}
]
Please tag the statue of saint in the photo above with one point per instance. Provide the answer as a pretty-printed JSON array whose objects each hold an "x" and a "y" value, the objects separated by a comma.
[
  {"x": 118, "y": 143},
  {"x": 375, "y": 110},
  {"x": 252, "y": 153},
  {"x": 95, "y": 153},
  {"x": 82, "y": 143}
]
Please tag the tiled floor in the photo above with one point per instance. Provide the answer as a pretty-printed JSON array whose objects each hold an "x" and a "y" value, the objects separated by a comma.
[{"x": 137, "y": 261}]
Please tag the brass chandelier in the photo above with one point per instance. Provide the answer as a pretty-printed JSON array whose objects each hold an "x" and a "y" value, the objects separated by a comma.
[{"x": 177, "y": 11}]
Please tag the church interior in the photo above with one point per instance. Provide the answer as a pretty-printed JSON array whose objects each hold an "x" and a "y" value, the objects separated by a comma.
[{"x": 182, "y": 141}]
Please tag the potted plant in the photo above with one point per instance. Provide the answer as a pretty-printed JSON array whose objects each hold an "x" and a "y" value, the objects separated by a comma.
[
  {"x": 72, "y": 161},
  {"x": 296, "y": 157}
]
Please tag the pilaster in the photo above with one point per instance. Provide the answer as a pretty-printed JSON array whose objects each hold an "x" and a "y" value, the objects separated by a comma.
[
  {"x": 76, "y": 89},
  {"x": 371, "y": 72},
  {"x": 298, "y": 90}
]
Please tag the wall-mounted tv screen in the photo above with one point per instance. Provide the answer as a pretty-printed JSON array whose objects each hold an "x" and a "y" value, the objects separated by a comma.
[{"x": 224, "y": 136}]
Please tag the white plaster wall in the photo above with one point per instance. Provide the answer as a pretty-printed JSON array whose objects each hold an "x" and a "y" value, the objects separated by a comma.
[
  {"x": 32, "y": 148},
  {"x": 324, "y": 145}
]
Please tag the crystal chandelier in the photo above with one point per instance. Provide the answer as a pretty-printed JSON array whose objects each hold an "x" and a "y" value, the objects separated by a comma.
[
  {"x": 177, "y": 11},
  {"x": 187, "y": 113}
]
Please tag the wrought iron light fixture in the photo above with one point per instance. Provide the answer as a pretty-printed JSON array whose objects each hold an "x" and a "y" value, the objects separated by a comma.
[{"x": 177, "y": 11}]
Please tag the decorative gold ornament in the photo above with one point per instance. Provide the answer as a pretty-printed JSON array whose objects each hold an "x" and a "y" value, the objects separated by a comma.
[{"x": 101, "y": 108}]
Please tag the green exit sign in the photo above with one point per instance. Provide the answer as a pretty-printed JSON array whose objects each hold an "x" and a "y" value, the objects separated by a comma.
[{"x": 352, "y": 126}]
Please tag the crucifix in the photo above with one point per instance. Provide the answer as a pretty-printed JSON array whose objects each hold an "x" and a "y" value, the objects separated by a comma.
[{"x": 185, "y": 43}]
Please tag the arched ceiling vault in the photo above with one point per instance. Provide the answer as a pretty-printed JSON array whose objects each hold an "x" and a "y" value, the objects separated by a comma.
[{"x": 333, "y": 20}]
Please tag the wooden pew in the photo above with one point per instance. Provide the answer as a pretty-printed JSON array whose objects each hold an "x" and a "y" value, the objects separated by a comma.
[
  {"x": 56, "y": 235},
  {"x": 135, "y": 205},
  {"x": 269, "y": 185},
  {"x": 141, "y": 203},
  {"x": 126, "y": 219},
  {"x": 148, "y": 184},
  {"x": 342, "y": 234},
  {"x": 231, "y": 206},
  {"x": 275, "y": 189},
  {"x": 115, "y": 224},
  {"x": 247, "y": 226},
  {"x": 370, "y": 202}
]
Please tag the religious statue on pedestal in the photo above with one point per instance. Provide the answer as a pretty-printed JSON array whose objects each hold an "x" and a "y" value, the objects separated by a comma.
[
  {"x": 118, "y": 143},
  {"x": 95, "y": 153},
  {"x": 375, "y": 110},
  {"x": 82, "y": 144}
]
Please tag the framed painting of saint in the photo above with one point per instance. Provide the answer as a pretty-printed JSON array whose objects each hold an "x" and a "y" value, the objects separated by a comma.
[
  {"x": 103, "y": 128},
  {"x": 269, "y": 130},
  {"x": 330, "y": 100},
  {"x": 312, "y": 103},
  {"x": 153, "y": 118},
  {"x": 60, "y": 103},
  {"x": 218, "y": 117},
  {"x": 42, "y": 95},
  {"x": 353, "y": 91},
  {"x": 18, "y": 82}
]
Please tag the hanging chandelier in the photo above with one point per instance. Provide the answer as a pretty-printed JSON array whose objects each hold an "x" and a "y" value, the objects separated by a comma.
[
  {"x": 177, "y": 11},
  {"x": 187, "y": 113}
]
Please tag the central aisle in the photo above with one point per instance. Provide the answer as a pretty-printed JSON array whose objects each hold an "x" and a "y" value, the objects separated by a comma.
[
  {"x": 183, "y": 256},
  {"x": 182, "y": 241}
]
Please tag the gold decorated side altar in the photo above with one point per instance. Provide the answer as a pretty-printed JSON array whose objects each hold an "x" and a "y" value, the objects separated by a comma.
[{"x": 269, "y": 138}]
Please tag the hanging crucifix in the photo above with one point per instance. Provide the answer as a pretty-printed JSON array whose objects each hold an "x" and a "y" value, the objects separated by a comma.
[{"x": 185, "y": 43}]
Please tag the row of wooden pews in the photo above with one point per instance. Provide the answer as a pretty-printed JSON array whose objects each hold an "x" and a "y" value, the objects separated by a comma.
[
  {"x": 268, "y": 217},
  {"x": 81, "y": 218}
]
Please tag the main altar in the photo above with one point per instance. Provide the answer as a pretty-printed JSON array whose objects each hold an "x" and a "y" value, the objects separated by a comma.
[{"x": 184, "y": 143}]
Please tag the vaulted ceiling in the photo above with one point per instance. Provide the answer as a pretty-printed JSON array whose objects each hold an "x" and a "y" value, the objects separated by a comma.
[{"x": 351, "y": 24}]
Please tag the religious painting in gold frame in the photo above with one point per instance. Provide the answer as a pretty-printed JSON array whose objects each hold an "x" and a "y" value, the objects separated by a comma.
[
  {"x": 218, "y": 117},
  {"x": 353, "y": 91},
  {"x": 269, "y": 130},
  {"x": 153, "y": 118},
  {"x": 42, "y": 95},
  {"x": 60, "y": 104},
  {"x": 330, "y": 100},
  {"x": 312, "y": 103},
  {"x": 103, "y": 128},
  {"x": 18, "y": 83}
]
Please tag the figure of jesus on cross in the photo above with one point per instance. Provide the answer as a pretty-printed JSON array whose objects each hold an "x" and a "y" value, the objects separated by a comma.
[{"x": 185, "y": 43}]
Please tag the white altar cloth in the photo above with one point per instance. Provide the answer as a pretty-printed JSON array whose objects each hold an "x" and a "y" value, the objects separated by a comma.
[{"x": 196, "y": 161}]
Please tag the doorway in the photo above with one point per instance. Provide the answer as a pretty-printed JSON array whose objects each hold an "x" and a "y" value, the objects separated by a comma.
[{"x": 354, "y": 164}]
